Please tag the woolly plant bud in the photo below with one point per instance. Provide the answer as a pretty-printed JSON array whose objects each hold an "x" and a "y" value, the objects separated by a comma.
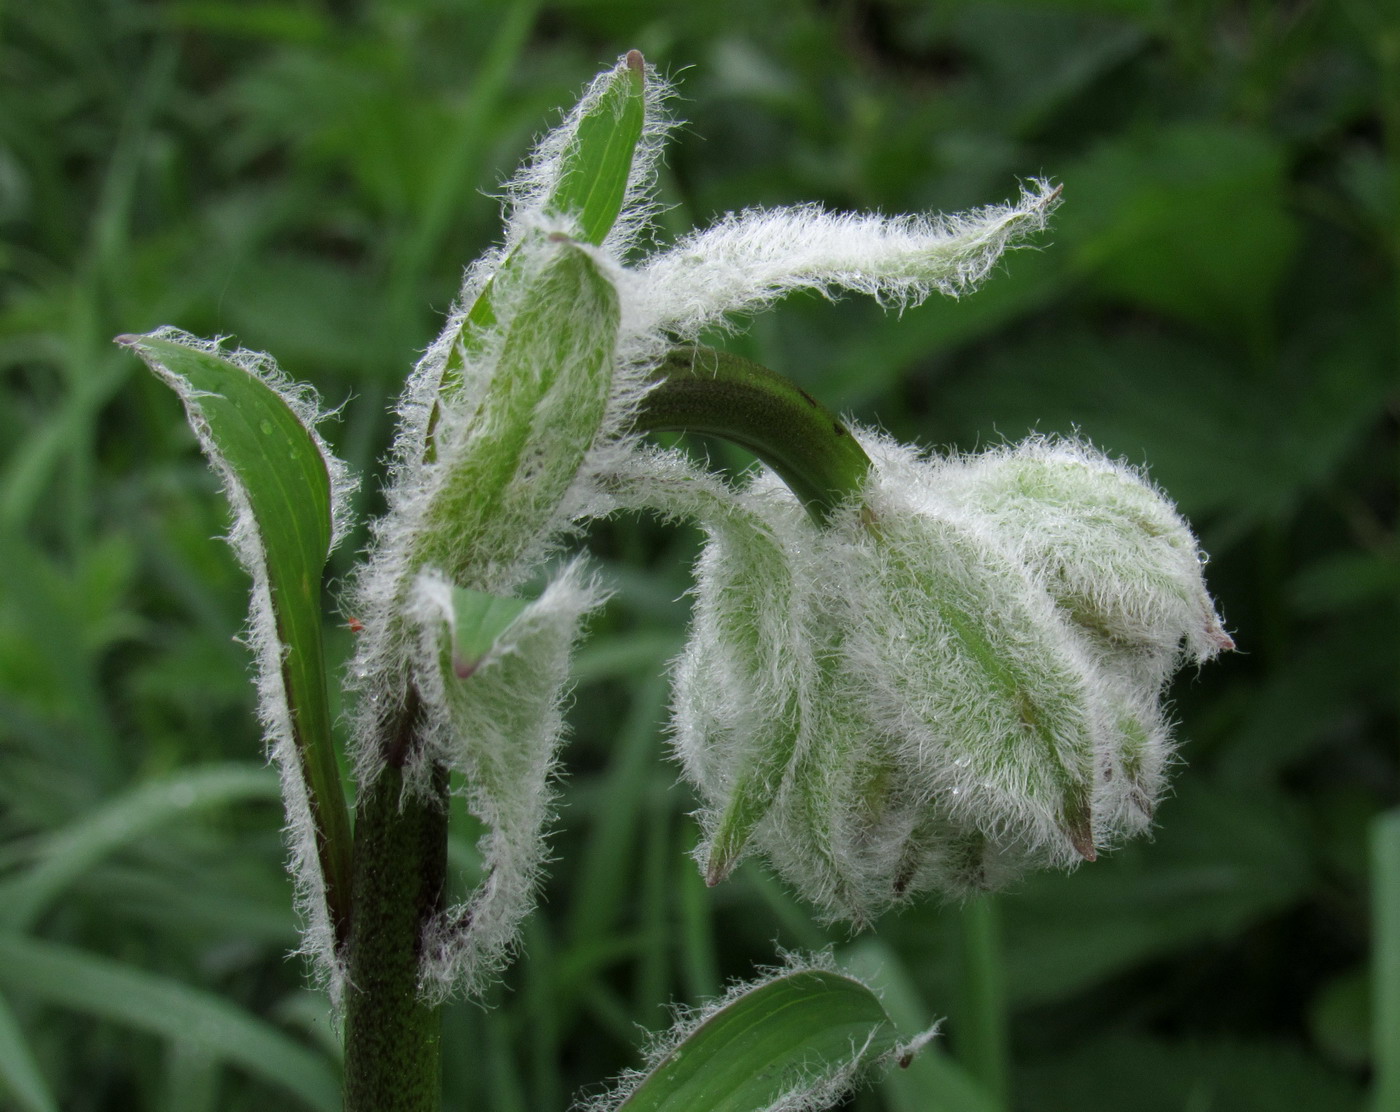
[
  {"x": 493, "y": 713},
  {"x": 951, "y": 722},
  {"x": 1107, "y": 546}
]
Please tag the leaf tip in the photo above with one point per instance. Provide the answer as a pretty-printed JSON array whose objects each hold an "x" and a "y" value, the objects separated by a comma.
[
  {"x": 635, "y": 62},
  {"x": 1082, "y": 839},
  {"x": 717, "y": 869}
]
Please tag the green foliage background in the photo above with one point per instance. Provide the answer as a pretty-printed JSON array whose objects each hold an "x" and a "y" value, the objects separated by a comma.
[{"x": 1218, "y": 298}]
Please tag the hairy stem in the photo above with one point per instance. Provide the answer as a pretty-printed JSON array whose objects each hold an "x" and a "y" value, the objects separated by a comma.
[
  {"x": 392, "y": 1037},
  {"x": 704, "y": 390}
]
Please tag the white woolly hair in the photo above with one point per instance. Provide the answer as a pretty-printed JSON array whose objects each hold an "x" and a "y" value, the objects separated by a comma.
[
  {"x": 818, "y": 1085},
  {"x": 746, "y": 261},
  {"x": 930, "y": 588},
  {"x": 738, "y": 688},
  {"x": 502, "y": 728},
  {"x": 1102, "y": 539},
  {"x": 274, "y": 710}
]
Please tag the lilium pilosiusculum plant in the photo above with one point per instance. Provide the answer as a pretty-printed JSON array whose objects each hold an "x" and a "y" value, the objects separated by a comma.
[{"x": 904, "y": 673}]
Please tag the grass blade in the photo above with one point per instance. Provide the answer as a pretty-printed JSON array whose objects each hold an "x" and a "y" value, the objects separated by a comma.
[
  {"x": 1385, "y": 901},
  {"x": 108, "y": 989},
  {"x": 76, "y": 849},
  {"x": 19, "y": 1073}
]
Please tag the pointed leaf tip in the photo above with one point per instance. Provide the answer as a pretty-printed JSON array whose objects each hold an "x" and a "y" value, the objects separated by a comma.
[
  {"x": 1222, "y": 641},
  {"x": 1082, "y": 839},
  {"x": 717, "y": 871}
]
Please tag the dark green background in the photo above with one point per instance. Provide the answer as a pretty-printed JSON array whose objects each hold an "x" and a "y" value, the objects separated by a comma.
[{"x": 1217, "y": 298}]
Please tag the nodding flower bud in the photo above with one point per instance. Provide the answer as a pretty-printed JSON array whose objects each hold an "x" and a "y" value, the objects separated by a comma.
[
  {"x": 1109, "y": 548},
  {"x": 984, "y": 643}
]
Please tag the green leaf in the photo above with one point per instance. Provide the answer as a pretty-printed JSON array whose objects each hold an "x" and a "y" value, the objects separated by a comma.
[
  {"x": 1221, "y": 861},
  {"x": 478, "y": 620},
  {"x": 1339, "y": 1018},
  {"x": 274, "y": 464},
  {"x": 77, "y": 848},
  {"x": 1190, "y": 220},
  {"x": 801, "y": 1031},
  {"x": 101, "y": 987}
]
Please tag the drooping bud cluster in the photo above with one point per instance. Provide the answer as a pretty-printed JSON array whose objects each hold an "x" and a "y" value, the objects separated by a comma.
[
  {"x": 528, "y": 400},
  {"x": 992, "y": 635}
]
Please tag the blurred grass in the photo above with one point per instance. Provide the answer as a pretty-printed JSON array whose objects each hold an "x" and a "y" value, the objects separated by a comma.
[{"x": 1219, "y": 298}]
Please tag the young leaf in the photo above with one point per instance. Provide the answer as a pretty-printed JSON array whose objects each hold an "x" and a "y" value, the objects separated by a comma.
[
  {"x": 477, "y": 621},
  {"x": 281, "y": 480},
  {"x": 796, "y": 1040},
  {"x": 596, "y": 166},
  {"x": 587, "y": 183}
]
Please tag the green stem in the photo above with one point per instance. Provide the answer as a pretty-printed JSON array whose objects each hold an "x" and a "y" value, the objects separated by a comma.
[
  {"x": 1385, "y": 960},
  {"x": 709, "y": 391},
  {"x": 982, "y": 1036},
  {"x": 392, "y": 1036}
]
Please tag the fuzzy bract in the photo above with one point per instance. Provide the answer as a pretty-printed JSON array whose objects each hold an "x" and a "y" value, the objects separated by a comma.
[
  {"x": 746, "y": 261},
  {"x": 501, "y": 726}
]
